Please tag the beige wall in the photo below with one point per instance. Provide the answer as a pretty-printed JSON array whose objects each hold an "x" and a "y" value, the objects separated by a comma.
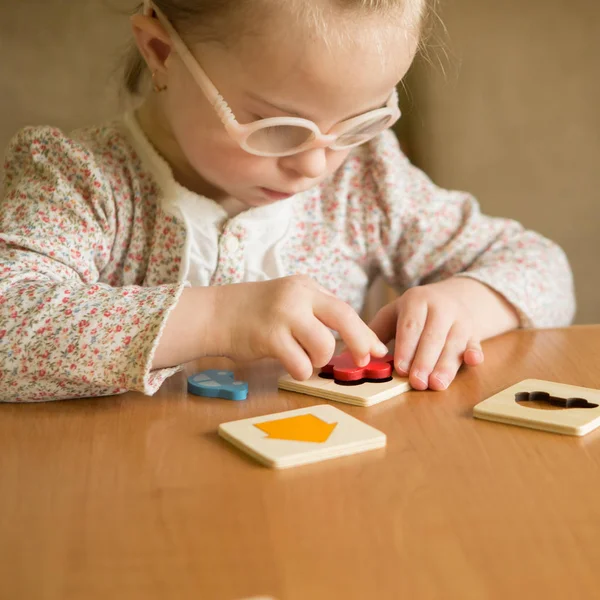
[
  {"x": 515, "y": 120},
  {"x": 58, "y": 57}
]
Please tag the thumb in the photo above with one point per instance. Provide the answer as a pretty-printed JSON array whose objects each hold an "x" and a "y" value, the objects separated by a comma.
[{"x": 384, "y": 323}]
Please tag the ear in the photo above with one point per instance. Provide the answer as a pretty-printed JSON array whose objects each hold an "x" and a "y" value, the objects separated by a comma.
[{"x": 152, "y": 40}]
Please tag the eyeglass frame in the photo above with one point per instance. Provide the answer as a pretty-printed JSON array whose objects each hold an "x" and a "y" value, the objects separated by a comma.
[{"x": 240, "y": 132}]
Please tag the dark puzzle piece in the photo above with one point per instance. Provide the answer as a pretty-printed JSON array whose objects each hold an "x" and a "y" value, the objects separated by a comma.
[
  {"x": 545, "y": 401},
  {"x": 344, "y": 371}
]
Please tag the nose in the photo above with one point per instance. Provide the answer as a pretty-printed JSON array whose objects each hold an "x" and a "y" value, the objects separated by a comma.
[{"x": 310, "y": 163}]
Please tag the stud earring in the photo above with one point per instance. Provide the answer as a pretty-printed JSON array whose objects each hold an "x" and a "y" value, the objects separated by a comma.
[{"x": 157, "y": 87}]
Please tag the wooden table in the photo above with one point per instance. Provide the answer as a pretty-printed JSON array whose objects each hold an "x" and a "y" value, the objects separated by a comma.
[{"x": 138, "y": 498}]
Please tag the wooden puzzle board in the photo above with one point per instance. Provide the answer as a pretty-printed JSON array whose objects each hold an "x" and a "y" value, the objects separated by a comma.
[
  {"x": 570, "y": 421},
  {"x": 364, "y": 394}
]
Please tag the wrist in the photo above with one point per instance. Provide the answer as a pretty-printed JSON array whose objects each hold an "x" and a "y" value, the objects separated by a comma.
[
  {"x": 218, "y": 325},
  {"x": 204, "y": 319},
  {"x": 492, "y": 313},
  {"x": 189, "y": 332}
]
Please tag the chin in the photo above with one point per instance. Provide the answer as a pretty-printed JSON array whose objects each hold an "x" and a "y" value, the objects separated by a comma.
[{"x": 256, "y": 202}]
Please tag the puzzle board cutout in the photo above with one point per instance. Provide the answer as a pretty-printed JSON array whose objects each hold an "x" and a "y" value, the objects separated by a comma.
[
  {"x": 363, "y": 394},
  {"x": 302, "y": 436},
  {"x": 503, "y": 408}
]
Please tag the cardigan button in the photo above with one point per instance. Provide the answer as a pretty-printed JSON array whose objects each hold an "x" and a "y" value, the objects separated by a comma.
[{"x": 232, "y": 244}]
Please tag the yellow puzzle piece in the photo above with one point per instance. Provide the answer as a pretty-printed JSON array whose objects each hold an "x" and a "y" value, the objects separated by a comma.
[{"x": 303, "y": 428}]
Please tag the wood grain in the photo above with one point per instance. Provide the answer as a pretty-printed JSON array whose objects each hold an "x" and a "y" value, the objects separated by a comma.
[{"x": 137, "y": 498}]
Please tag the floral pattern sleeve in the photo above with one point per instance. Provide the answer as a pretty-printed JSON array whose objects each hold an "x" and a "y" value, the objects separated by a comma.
[
  {"x": 420, "y": 233},
  {"x": 64, "y": 333}
]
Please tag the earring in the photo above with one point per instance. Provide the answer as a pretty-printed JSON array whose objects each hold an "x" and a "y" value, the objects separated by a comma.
[{"x": 157, "y": 87}]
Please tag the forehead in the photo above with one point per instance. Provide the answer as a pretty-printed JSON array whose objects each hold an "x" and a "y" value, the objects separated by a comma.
[{"x": 344, "y": 62}]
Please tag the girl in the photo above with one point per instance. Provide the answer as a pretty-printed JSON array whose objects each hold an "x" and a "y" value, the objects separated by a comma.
[{"x": 243, "y": 209}]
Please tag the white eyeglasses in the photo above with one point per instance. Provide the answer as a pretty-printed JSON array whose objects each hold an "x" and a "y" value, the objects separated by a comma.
[{"x": 281, "y": 136}]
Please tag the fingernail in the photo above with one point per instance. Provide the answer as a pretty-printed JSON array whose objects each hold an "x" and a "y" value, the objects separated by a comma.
[
  {"x": 363, "y": 362},
  {"x": 382, "y": 349},
  {"x": 420, "y": 377},
  {"x": 443, "y": 380},
  {"x": 402, "y": 368}
]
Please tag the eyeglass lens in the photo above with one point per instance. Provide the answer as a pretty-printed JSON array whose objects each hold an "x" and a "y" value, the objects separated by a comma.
[
  {"x": 279, "y": 138},
  {"x": 363, "y": 132},
  {"x": 283, "y": 138}
]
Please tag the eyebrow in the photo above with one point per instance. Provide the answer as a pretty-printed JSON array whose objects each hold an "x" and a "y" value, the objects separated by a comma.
[{"x": 296, "y": 114}]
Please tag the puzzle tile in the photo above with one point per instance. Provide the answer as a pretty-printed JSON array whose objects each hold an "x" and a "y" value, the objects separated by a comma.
[
  {"x": 217, "y": 384},
  {"x": 342, "y": 368}
]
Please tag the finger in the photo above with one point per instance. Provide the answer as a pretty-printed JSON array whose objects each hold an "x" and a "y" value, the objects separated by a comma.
[
  {"x": 309, "y": 282},
  {"x": 324, "y": 290},
  {"x": 384, "y": 322},
  {"x": 450, "y": 359},
  {"x": 473, "y": 355},
  {"x": 293, "y": 357},
  {"x": 316, "y": 340},
  {"x": 431, "y": 344},
  {"x": 409, "y": 327},
  {"x": 359, "y": 339}
]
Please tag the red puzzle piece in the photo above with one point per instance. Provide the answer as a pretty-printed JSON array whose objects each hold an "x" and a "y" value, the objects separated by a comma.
[{"x": 343, "y": 368}]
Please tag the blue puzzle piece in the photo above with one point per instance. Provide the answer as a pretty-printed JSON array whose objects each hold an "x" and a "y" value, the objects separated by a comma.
[{"x": 217, "y": 384}]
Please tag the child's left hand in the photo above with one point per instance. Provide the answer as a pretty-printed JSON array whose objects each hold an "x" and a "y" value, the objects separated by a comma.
[{"x": 439, "y": 326}]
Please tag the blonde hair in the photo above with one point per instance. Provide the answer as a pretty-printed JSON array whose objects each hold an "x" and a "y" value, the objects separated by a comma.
[{"x": 224, "y": 21}]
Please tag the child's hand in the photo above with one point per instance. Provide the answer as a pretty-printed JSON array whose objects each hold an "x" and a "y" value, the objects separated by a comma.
[
  {"x": 289, "y": 319},
  {"x": 439, "y": 326}
]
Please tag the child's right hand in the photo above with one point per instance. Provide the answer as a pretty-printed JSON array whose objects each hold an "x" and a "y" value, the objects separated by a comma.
[{"x": 288, "y": 319}]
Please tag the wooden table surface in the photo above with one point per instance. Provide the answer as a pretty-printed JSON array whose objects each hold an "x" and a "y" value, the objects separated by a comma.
[{"x": 133, "y": 498}]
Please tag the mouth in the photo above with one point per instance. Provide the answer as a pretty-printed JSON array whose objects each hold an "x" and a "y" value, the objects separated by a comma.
[{"x": 276, "y": 195}]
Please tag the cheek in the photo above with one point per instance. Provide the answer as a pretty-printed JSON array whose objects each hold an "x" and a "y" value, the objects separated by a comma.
[
  {"x": 336, "y": 159},
  {"x": 202, "y": 137},
  {"x": 226, "y": 163},
  {"x": 193, "y": 121},
  {"x": 216, "y": 157}
]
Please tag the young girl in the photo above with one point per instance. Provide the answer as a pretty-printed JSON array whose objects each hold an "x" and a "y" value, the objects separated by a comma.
[{"x": 243, "y": 210}]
